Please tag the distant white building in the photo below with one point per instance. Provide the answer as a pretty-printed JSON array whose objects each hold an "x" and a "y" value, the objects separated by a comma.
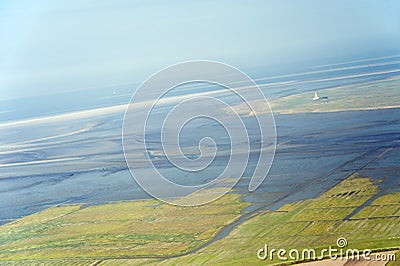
[{"x": 315, "y": 96}]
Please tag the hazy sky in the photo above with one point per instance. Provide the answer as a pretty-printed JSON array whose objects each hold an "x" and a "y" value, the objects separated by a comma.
[{"x": 66, "y": 45}]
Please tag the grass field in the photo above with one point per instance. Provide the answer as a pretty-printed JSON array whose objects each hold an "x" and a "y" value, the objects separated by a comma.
[
  {"x": 314, "y": 223},
  {"x": 363, "y": 96},
  {"x": 125, "y": 229},
  {"x": 147, "y": 232}
]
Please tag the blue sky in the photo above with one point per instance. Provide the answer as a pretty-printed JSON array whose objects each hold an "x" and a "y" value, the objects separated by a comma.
[{"x": 68, "y": 45}]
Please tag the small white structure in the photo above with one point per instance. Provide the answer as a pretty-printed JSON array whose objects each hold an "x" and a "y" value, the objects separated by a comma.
[{"x": 315, "y": 96}]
